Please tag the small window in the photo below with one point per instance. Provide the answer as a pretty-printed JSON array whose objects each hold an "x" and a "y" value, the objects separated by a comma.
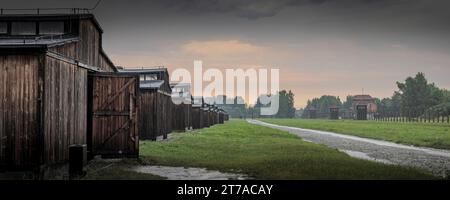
[
  {"x": 51, "y": 28},
  {"x": 23, "y": 28},
  {"x": 142, "y": 78},
  {"x": 149, "y": 77},
  {"x": 3, "y": 28}
]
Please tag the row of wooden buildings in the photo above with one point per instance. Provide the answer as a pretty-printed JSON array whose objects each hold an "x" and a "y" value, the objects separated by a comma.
[{"x": 59, "y": 88}]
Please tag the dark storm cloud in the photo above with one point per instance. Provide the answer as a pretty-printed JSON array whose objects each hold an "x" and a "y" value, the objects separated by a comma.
[
  {"x": 255, "y": 9},
  {"x": 250, "y": 9}
]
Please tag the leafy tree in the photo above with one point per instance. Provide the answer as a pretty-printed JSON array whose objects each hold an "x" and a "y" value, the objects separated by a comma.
[
  {"x": 324, "y": 103},
  {"x": 389, "y": 106},
  {"x": 286, "y": 106},
  {"x": 348, "y": 102},
  {"x": 417, "y": 95}
]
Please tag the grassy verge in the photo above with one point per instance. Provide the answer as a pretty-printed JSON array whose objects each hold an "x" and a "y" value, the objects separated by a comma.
[
  {"x": 265, "y": 153},
  {"x": 419, "y": 134}
]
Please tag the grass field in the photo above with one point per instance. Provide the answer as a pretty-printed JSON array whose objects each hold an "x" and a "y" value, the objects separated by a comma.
[
  {"x": 434, "y": 135},
  {"x": 264, "y": 153}
]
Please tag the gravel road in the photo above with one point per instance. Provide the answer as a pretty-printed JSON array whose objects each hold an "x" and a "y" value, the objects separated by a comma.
[{"x": 436, "y": 161}]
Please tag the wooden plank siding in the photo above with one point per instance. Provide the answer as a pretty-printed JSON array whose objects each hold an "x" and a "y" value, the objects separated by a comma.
[
  {"x": 88, "y": 49},
  {"x": 19, "y": 128},
  {"x": 43, "y": 109},
  {"x": 44, "y": 100},
  {"x": 182, "y": 119},
  {"x": 156, "y": 114},
  {"x": 89, "y": 44},
  {"x": 64, "y": 107},
  {"x": 197, "y": 118},
  {"x": 221, "y": 118},
  {"x": 206, "y": 118}
]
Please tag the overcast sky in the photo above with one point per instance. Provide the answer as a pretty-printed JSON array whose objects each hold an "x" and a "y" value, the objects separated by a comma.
[{"x": 334, "y": 47}]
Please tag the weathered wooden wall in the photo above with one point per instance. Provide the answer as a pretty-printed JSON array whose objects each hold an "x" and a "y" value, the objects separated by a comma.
[
  {"x": 206, "y": 119},
  {"x": 44, "y": 102},
  {"x": 89, "y": 45},
  {"x": 166, "y": 112},
  {"x": 64, "y": 107},
  {"x": 182, "y": 118},
  {"x": 19, "y": 110},
  {"x": 216, "y": 117},
  {"x": 106, "y": 64},
  {"x": 188, "y": 115},
  {"x": 88, "y": 49},
  {"x": 197, "y": 118},
  {"x": 221, "y": 118},
  {"x": 156, "y": 114},
  {"x": 115, "y": 115},
  {"x": 148, "y": 126},
  {"x": 43, "y": 109}
]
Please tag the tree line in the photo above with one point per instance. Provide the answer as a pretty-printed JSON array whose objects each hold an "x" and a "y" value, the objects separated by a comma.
[
  {"x": 238, "y": 109},
  {"x": 414, "y": 98}
]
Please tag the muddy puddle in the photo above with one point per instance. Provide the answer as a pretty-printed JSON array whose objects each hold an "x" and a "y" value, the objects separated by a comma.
[
  {"x": 182, "y": 173},
  {"x": 364, "y": 156}
]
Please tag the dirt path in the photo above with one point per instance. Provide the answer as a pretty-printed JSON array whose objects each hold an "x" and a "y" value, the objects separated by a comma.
[{"x": 434, "y": 160}]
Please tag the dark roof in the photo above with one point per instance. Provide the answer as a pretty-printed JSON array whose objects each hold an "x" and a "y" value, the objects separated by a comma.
[
  {"x": 362, "y": 97},
  {"x": 44, "y": 17},
  {"x": 144, "y": 70},
  {"x": 36, "y": 42},
  {"x": 180, "y": 85},
  {"x": 154, "y": 84}
]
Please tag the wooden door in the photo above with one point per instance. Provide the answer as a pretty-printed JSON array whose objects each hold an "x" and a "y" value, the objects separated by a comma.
[
  {"x": 361, "y": 112},
  {"x": 114, "y": 113}
]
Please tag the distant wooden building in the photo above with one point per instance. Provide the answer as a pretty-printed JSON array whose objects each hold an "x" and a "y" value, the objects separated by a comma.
[
  {"x": 334, "y": 112},
  {"x": 221, "y": 116},
  {"x": 156, "y": 107},
  {"x": 216, "y": 114},
  {"x": 207, "y": 122},
  {"x": 46, "y": 99},
  {"x": 182, "y": 106},
  {"x": 311, "y": 112},
  {"x": 197, "y": 113},
  {"x": 226, "y": 117}
]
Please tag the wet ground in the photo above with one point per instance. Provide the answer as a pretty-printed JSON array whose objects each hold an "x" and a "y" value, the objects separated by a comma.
[
  {"x": 182, "y": 173},
  {"x": 436, "y": 161}
]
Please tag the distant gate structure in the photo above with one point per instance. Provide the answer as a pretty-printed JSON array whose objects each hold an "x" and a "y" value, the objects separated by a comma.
[
  {"x": 334, "y": 112},
  {"x": 363, "y": 105}
]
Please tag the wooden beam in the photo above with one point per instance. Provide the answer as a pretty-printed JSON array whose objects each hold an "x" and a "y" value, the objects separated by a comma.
[{"x": 72, "y": 61}]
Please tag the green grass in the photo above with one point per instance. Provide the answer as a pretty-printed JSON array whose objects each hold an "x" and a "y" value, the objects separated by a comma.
[
  {"x": 265, "y": 153},
  {"x": 419, "y": 134}
]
